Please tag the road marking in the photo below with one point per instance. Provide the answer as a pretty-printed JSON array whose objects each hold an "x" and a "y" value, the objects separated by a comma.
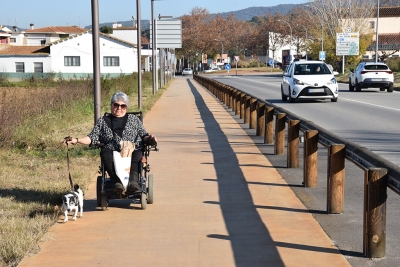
[{"x": 379, "y": 106}]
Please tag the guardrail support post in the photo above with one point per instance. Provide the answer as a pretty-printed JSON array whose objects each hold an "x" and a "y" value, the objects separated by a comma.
[
  {"x": 247, "y": 110},
  {"x": 269, "y": 125},
  {"x": 237, "y": 108},
  {"x": 260, "y": 119},
  {"x": 253, "y": 113},
  {"x": 234, "y": 100},
  {"x": 280, "y": 123},
  {"x": 310, "y": 169},
  {"x": 293, "y": 144},
  {"x": 375, "y": 194},
  {"x": 335, "y": 184},
  {"x": 242, "y": 102}
]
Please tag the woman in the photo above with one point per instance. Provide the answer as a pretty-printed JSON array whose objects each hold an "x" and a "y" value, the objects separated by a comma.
[{"x": 110, "y": 131}]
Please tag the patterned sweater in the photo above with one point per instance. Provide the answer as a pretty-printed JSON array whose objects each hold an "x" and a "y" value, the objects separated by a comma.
[{"x": 134, "y": 131}]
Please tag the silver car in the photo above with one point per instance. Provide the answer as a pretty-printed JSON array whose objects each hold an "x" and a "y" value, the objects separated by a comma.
[
  {"x": 187, "y": 71},
  {"x": 309, "y": 80}
]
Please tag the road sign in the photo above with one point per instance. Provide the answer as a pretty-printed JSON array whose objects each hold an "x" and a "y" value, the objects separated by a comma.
[
  {"x": 347, "y": 44},
  {"x": 227, "y": 67},
  {"x": 271, "y": 62},
  {"x": 236, "y": 58},
  {"x": 322, "y": 55}
]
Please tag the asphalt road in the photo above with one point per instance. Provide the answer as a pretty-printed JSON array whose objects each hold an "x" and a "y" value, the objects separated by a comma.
[{"x": 369, "y": 118}]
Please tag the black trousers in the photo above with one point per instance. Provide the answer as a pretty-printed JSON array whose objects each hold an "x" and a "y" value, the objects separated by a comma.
[{"x": 106, "y": 155}]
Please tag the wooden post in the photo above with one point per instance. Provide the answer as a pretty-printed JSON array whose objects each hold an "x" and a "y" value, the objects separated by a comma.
[
  {"x": 237, "y": 109},
  {"x": 253, "y": 113},
  {"x": 375, "y": 195},
  {"x": 242, "y": 101},
  {"x": 335, "y": 184},
  {"x": 247, "y": 109},
  {"x": 269, "y": 125},
  {"x": 260, "y": 119},
  {"x": 310, "y": 169},
  {"x": 234, "y": 100},
  {"x": 293, "y": 144},
  {"x": 280, "y": 123}
]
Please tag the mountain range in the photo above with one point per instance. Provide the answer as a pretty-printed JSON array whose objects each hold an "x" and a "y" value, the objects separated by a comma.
[{"x": 243, "y": 14}]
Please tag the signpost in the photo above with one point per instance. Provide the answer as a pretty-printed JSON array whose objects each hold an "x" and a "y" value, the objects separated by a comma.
[
  {"x": 236, "y": 61},
  {"x": 322, "y": 55},
  {"x": 227, "y": 67},
  {"x": 271, "y": 63},
  {"x": 347, "y": 44}
]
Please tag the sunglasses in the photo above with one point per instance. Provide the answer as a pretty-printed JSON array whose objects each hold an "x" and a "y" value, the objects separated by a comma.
[{"x": 122, "y": 106}]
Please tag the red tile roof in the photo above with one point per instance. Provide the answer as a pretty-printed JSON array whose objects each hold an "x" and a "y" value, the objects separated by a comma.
[
  {"x": 24, "y": 50},
  {"x": 389, "y": 11},
  {"x": 58, "y": 30}
]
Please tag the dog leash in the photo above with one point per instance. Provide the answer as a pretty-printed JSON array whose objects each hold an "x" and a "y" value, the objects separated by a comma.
[{"x": 69, "y": 138}]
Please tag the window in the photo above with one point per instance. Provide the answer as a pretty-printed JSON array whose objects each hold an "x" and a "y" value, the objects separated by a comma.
[
  {"x": 372, "y": 24},
  {"x": 110, "y": 61},
  {"x": 72, "y": 61},
  {"x": 38, "y": 67},
  {"x": 13, "y": 40},
  {"x": 19, "y": 67}
]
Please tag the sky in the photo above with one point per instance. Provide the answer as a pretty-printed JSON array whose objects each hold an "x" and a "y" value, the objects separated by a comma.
[{"x": 43, "y": 13}]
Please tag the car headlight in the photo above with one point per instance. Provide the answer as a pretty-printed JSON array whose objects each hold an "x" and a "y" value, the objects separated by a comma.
[
  {"x": 295, "y": 81},
  {"x": 332, "y": 81}
]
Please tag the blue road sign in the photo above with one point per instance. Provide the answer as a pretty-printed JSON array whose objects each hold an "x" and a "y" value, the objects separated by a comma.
[
  {"x": 322, "y": 55},
  {"x": 227, "y": 67},
  {"x": 271, "y": 62}
]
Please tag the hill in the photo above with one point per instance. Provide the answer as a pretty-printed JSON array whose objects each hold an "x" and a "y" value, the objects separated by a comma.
[{"x": 243, "y": 14}]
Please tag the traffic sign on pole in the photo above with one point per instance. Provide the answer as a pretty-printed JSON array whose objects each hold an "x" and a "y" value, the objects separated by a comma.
[
  {"x": 347, "y": 43},
  {"x": 322, "y": 55}
]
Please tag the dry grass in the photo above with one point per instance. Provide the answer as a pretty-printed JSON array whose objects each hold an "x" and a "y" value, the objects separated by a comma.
[{"x": 34, "y": 174}]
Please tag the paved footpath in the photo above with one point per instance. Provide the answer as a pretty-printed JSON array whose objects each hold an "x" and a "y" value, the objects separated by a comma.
[{"x": 218, "y": 201}]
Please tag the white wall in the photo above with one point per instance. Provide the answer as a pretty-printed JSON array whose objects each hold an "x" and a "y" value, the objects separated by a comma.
[
  {"x": 82, "y": 46},
  {"x": 7, "y": 63},
  {"x": 126, "y": 35}
]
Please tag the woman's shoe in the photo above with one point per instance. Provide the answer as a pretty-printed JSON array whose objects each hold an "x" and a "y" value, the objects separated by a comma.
[{"x": 118, "y": 187}]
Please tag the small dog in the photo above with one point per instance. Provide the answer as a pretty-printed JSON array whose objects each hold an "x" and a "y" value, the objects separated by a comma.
[{"x": 73, "y": 201}]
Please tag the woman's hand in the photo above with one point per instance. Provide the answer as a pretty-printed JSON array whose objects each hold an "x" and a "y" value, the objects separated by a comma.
[
  {"x": 150, "y": 140},
  {"x": 70, "y": 140}
]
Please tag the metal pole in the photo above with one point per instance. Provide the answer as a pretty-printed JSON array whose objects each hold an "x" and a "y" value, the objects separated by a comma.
[
  {"x": 139, "y": 49},
  {"x": 305, "y": 39},
  {"x": 290, "y": 45},
  {"x": 376, "y": 42},
  {"x": 96, "y": 59},
  {"x": 153, "y": 49}
]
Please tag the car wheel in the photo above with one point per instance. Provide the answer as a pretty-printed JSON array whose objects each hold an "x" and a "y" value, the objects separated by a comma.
[
  {"x": 284, "y": 97},
  {"x": 390, "y": 88},
  {"x": 351, "y": 87},
  {"x": 358, "y": 87},
  {"x": 334, "y": 99}
]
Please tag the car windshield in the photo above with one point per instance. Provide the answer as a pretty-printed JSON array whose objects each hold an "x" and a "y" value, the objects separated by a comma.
[
  {"x": 376, "y": 67},
  {"x": 311, "y": 69}
]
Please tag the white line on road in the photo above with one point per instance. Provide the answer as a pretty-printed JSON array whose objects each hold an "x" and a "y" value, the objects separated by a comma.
[{"x": 379, "y": 106}]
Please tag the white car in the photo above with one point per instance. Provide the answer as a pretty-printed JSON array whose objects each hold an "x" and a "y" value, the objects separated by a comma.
[
  {"x": 212, "y": 70},
  {"x": 371, "y": 74},
  {"x": 187, "y": 71},
  {"x": 309, "y": 80}
]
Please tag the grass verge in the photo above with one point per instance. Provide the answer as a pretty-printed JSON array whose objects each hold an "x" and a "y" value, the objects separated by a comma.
[{"x": 34, "y": 173}]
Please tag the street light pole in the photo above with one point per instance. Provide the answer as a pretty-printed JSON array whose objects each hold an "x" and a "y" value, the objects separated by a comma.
[
  {"x": 222, "y": 47},
  {"x": 305, "y": 39},
  {"x": 290, "y": 45},
  {"x": 376, "y": 38}
]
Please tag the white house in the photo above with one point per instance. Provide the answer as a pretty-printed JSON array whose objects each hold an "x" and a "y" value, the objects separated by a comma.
[{"x": 69, "y": 57}]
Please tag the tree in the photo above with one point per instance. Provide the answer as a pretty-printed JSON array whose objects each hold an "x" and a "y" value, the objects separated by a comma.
[
  {"x": 106, "y": 29},
  {"x": 334, "y": 16}
]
